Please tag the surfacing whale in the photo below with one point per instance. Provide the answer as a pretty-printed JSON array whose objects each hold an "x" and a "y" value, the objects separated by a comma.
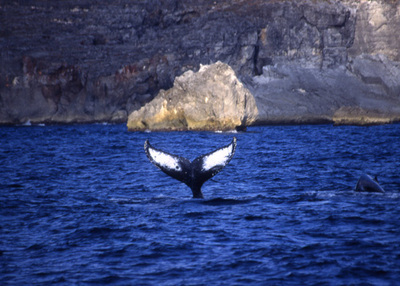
[
  {"x": 193, "y": 174},
  {"x": 367, "y": 184}
]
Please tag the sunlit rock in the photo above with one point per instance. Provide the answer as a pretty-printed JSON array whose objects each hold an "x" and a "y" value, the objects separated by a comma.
[{"x": 211, "y": 99}]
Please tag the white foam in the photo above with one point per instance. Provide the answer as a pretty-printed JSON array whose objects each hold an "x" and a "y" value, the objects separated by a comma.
[
  {"x": 165, "y": 160},
  {"x": 218, "y": 158},
  {"x": 228, "y": 131}
]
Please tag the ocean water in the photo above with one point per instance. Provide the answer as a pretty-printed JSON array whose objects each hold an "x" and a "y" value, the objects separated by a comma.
[{"x": 82, "y": 205}]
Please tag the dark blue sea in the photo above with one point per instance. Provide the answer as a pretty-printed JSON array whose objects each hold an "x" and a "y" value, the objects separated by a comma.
[{"x": 82, "y": 205}]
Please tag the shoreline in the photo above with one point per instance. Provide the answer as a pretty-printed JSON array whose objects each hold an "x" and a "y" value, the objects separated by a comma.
[{"x": 260, "y": 123}]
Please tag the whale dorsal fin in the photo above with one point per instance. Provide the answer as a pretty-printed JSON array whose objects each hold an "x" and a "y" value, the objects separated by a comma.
[
  {"x": 368, "y": 184},
  {"x": 210, "y": 164},
  {"x": 172, "y": 165}
]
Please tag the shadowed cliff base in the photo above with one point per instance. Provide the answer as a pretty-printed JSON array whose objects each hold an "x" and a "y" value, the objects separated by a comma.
[
  {"x": 70, "y": 62},
  {"x": 358, "y": 116}
]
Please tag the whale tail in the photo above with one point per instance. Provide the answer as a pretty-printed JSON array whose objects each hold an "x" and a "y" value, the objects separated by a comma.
[{"x": 193, "y": 174}]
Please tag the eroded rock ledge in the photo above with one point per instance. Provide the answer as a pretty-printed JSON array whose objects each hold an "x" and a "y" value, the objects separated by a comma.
[{"x": 211, "y": 99}]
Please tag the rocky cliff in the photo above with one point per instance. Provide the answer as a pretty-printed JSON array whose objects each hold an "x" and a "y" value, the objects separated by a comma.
[{"x": 304, "y": 61}]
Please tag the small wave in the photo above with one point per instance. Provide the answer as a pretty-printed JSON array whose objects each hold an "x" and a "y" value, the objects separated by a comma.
[
  {"x": 15, "y": 186},
  {"x": 393, "y": 195},
  {"x": 312, "y": 246},
  {"x": 247, "y": 263},
  {"x": 350, "y": 220},
  {"x": 113, "y": 251},
  {"x": 118, "y": 147},
  {"x": 307, "y": 197},
  {"x": 36, "y": 246},
  {"x": 126, "y": 201},
  {"x": 161, "y": 198},
  {"x": 222, "y": 201},
  {"x": 100, "y": 230},
  {"x": 197, "y": 214},
  {"x": 256, "y": 217},
  {"x": 363, "y": 243},
  {"x": 109, "y": 279},
  {"x": 362, "y": 271}
]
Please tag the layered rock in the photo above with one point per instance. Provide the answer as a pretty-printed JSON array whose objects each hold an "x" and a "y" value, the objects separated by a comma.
[
  {"x": 366, "y": 91},
  {"x": 64, "y": 61},
  {"x": 211, "y": 99},
  {"x": 339, "y": 64},
  {"x": 356, "y": 115},
  {"x": 376, "y": 29}
]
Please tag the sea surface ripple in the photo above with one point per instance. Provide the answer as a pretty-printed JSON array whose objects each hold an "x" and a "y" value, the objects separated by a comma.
[{"x": 83, "y": 205}]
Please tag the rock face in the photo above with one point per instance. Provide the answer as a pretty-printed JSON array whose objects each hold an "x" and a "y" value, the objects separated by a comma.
[
  {"x": 210, "y": 99},
  {"x": 338, "y": 64},
  {"x": 303, "y": 60},
  {"x": 377, "y": 29},
  {"x": 366, "y": 91}
]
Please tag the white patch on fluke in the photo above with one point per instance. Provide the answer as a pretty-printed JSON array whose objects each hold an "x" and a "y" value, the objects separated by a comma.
[
  {"x": 164, "y": 160},
  {"x": 218, "y": 158}
]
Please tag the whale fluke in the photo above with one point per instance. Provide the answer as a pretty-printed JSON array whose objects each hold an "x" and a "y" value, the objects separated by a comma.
[
  {"x": 367, "y": 184},
  {"x": 193, "y": 174}
]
